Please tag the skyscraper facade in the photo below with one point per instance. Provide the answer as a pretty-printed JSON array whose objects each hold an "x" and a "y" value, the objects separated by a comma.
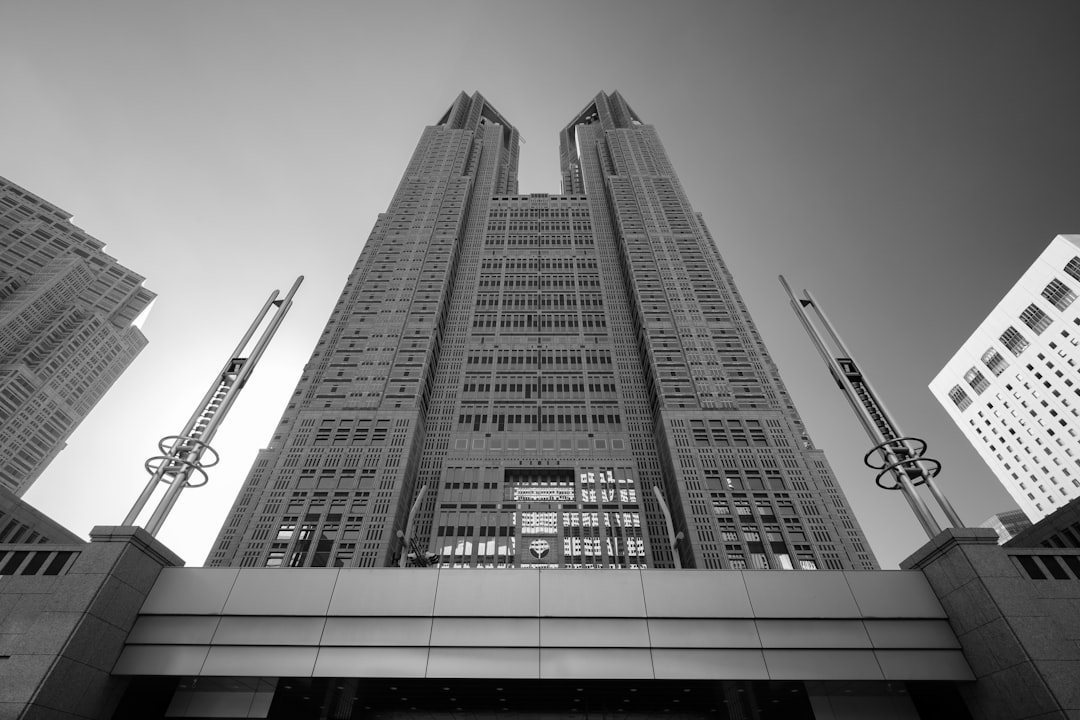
[
  {"x": 66, "y": 330},
  {"x": 541, "y": 380},
  {"x": 1013, "y": 387}
]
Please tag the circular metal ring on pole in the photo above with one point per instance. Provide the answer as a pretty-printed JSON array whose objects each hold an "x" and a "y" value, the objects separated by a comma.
[
  {"x": 908, "y": 452},
  {"x": 200, "y": 445},
  {"x": 152, "y": 464},
  {"x": 185, "y": 465},
  {"x": 902, "y": 466},
  {"x": 895, "y": 445}
]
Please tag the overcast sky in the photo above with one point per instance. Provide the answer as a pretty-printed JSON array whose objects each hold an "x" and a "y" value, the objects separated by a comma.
[{"x": 904, "y": 161}]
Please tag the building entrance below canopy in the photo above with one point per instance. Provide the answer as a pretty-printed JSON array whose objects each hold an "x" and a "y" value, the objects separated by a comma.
[{"x": 465, "y": 699}]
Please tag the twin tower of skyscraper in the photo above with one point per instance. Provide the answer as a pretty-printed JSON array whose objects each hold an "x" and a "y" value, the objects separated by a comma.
[{"x": 541, "y": 381}]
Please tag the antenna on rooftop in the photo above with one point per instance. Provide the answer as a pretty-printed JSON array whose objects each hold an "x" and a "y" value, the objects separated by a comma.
[
  {"x": 181, "y": 455},
  {"x": 901, "y": 462}
]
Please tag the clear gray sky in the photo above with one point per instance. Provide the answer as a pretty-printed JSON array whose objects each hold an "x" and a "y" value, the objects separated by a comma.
[{"x": 904, "y": 161}]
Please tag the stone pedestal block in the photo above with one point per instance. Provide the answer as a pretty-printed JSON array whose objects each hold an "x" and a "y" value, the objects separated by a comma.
[
  {"x": 63, "y": 633},
  {"x": 1025, "y": 659}
]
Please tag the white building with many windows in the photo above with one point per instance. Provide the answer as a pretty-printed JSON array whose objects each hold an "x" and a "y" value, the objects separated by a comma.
[{"x": 1014, "y": 386}]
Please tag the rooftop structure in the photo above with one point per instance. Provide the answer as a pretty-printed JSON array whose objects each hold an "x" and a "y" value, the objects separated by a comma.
[
  {"x": 22, "y": 523},
  {"x": 1007, "y": 524}
]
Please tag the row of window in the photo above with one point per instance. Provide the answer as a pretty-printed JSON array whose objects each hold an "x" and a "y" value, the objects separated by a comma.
[
  {"x": 1057, "y": 294},
  {"x": 520, "y": 264}
]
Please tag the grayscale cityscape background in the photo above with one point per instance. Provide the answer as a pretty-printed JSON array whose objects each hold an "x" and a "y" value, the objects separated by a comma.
[{"x": 906, "y": 163}]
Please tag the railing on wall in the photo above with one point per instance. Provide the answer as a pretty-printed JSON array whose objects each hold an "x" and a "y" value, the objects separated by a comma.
[
  {"x": 37, "y": 559},
  {"x": 1046, "y": 563}
]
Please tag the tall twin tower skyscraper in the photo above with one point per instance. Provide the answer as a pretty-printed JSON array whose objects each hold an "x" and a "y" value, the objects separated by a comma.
[{"x": 541, "y": 380}]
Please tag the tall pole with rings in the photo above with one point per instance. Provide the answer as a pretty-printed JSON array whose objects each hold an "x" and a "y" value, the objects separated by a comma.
[
  {"x": 180, "y": 464},
  {"x": 900, "y": 459}
]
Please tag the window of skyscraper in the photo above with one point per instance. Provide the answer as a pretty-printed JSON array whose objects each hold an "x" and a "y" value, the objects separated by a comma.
[
  {"x": 993, "y": 360},
  {"x": 1073, "y": 268},
  {"x": 1059, "y": 294},
  {"x": 977, "y": 381},
  {"x": 1014, "y": 341},
  {"x": 959, "y": 397},
  {"x": 1035, "y": 318}
]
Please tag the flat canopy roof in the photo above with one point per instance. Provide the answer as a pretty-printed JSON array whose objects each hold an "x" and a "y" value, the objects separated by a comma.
[{"x": 551, "y": 624}]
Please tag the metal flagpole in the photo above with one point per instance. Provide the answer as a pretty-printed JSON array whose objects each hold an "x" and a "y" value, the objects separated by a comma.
[
  {"x": 900, "y": 456},
  {"x": 182, "y": 455}
]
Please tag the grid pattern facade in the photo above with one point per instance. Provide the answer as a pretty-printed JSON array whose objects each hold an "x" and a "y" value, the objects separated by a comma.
[
  {"x": 549, "y": 369},
  {"x": 66, "y": 335},
  {"x": 1013, "y": 387},
  {"x": 22, "y": 524}
]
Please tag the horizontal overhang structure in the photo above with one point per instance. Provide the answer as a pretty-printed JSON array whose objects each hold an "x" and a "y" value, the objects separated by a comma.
[{"x": 551, "y": 624}]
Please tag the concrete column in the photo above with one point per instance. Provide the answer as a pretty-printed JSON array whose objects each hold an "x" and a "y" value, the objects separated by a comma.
[
  {"x": 61, "y": 634},
  {"x": 1020, "y": 636}
]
